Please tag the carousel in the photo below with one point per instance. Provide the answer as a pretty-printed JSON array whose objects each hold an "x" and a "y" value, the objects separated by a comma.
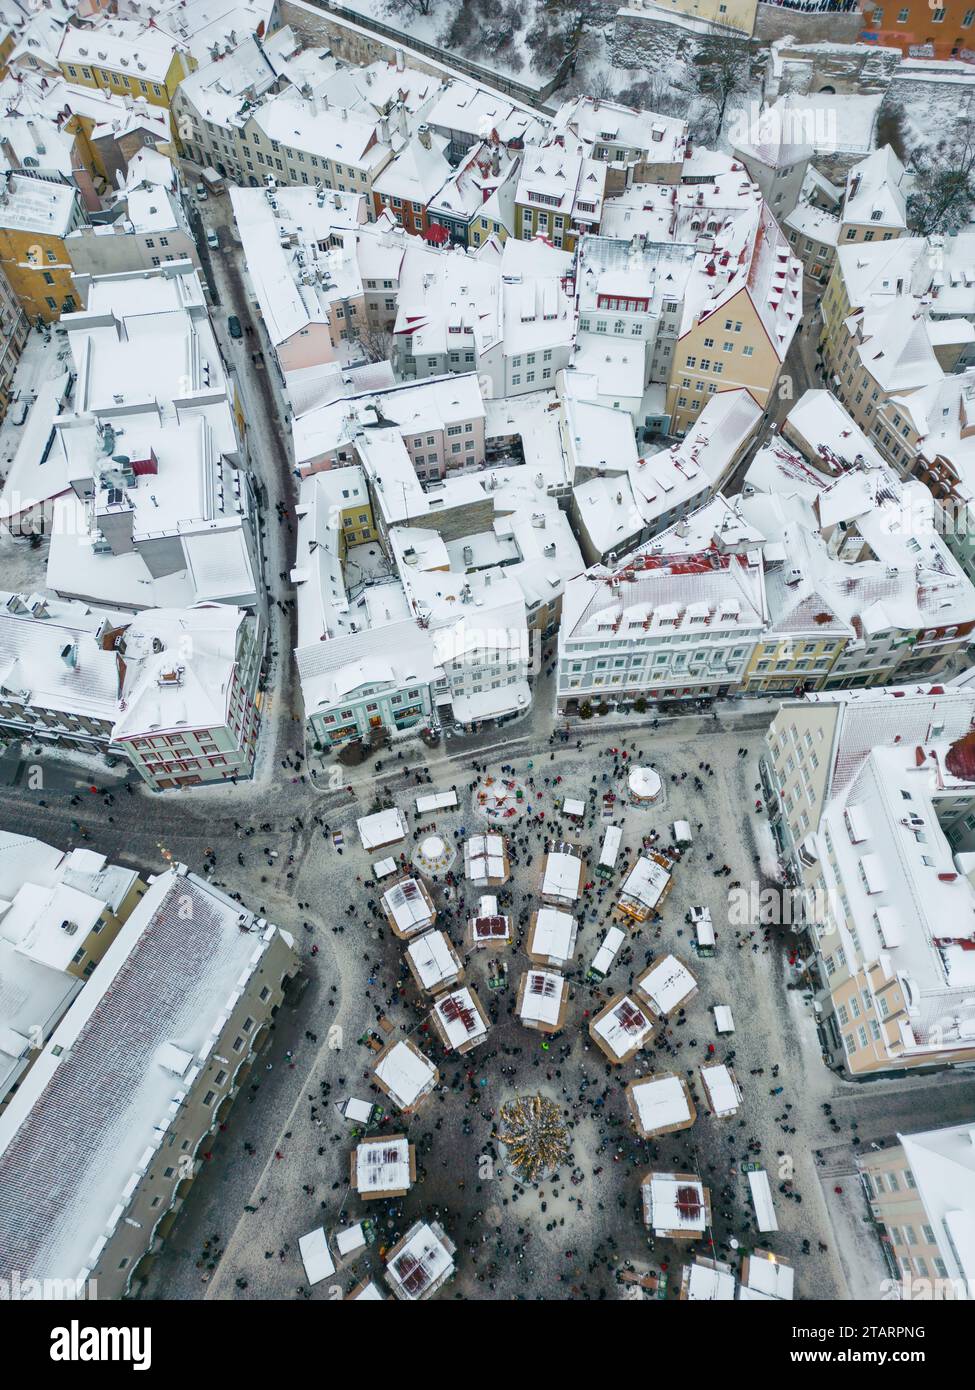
[
  {"x": 434, "y": 855},
  {"x": 644, "y": 787},
  {"x": 500, "y": 800}
]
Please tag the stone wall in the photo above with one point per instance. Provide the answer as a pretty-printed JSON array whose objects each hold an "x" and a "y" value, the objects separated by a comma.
[
  {"x": 361, "y": 40},
  {"x": 776, "y": 22},
  {"x": 654, "y": 44},
  {"x": 816, "y": 67}
]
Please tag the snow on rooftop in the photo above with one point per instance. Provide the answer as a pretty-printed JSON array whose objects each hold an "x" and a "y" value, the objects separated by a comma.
[
  {"x": 383, "y": 828},
  {"x": 724, "y": 1094},
  {"x": 553, "y": 935},
  {"x": 661, "y": 1102},
  {"x": 541, "y": 996},
  {"x": 624, "y": 1027},
  {"x": 667, "y": 984},
  {"x": 382, "y": 1165},
  {"x": 98, "y": 1091},
  {"x": 433, "y": 959},
  {"x": 674, "y": 1202},
  {"x": 562, "y": 877},
  {"x": 405, "y": 1073},
  {"x": 460, "y": 1018},
  {"x": 408, "y": 904}
]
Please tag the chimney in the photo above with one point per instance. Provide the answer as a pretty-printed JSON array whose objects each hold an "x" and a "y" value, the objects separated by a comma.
[
  {"x": 423, "y": 132},
  {"x": 69, "y": 655}
]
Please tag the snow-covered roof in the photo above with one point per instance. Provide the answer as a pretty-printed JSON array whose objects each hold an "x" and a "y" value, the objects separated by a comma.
[
  {"x": 667, "y": 984},
  {"x": 383, "y": 828},
  {"x": 723, "y": 1091},
  {"x": 623, "y": 1026},
  {"x": 405, "y": 1073},
  {"x": 179, "y": 669},
  {"x": 296, "y": 282},
  {"x": 562, "y": 877},
  {"x": 608, "y": 126},
  {"x": 673, "y": 1202},
  {"x": 942, "y": 1162},
  {"x": 875, "y": 195},
  {"x": 460, "y": 1018},
  {"x": 382, "y": 1165},
  {"x": 708, "y": 1281},
  {"x": 122, "y": 46},
  {"x": 646, "y": 883},
  {"x": 434, "y": 959},
  {"x": 420, "y": 1262},
  {"x": 661, "y": 1102},
  {"x": 484, "y": 858},
  {"x": 541, "y": 996},
  {"x": 767, "y": 1277},
  {"x": 100, "y": 1090},
  {"x": 38, "y": 205},
  {"x": 553, "y": 935},
  {"x": 407, "y": 903}
]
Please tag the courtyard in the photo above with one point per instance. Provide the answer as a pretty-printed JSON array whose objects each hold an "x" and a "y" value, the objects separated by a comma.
[{"x": 281, "y": 1166}]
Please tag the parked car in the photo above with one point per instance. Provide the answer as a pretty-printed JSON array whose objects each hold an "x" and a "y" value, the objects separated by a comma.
[
  {"x": 212, "y": 239},
  {"x": 233, "y": 323},
  {"x": 201, "y": 192}
]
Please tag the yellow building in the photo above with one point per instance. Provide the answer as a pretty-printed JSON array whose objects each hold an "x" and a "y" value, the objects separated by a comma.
[
  {"x": 126, "y": 59},
  {"x": 733, "y": 14},
  {"x": 836, "y": 777},
  {"x": 742, "y": 306},
  {"x": 920, "y": 1197},
  {"x": 791, "y": 662},
  {"x": 35, "y": 217}
]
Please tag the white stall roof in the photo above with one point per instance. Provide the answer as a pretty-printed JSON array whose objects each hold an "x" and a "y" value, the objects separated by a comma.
[
  {"x": 384, "y": 867},
  {"x": 682, "y": 830},
  {"x": 645, "y": 883},
  {"x": 543, "y": 996},
  {"x": 661, "y": 1103},
  {"x": 667, "y": 984},
  {"x": 358, "y": 1110},
  {"x": 408, "y": 906},
  {"x": 459, "y": 1017},
  {"x": 484, "y": 858},
  {"x": 704, "y": 927},
  {"x": 554, "y": 935},
  {"x": 384, "y": 828},
  {"x": 706, "y": 1285},
  {"x": 762, "y": 1200},
  {"x": 432, "y": 959},
  {"x": 315, "y": 1255},
  {"x": 723, "y": 1019},
  {"x": 625, "y": 1027},
  {"x": 572, "y": 807},
  {"x": 405, "y": 1072},
  {"x": 351, "y": 1239},
  {"x": 604, "y": 957},
  {"x": 436, "y": 801},
  {"x": 611, "y": 847},
  {"x": 383, "y": 1165},
  {"x": 563, "y": 873},
  {"x": 722, "y": 1089},
  {"x": 768, "y": 1278}
]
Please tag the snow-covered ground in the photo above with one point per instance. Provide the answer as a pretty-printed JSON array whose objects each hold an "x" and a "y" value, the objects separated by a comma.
[{"x": 501, "y": 45}]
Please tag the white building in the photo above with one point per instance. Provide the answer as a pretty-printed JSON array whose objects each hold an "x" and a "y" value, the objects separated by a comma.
[{"x": 159, "y": 512}]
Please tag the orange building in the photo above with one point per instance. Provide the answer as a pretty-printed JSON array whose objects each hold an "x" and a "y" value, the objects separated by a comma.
[{"x": 942, "y": 32}]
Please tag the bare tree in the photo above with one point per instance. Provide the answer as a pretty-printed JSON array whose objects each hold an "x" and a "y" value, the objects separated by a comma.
[
  {"x": 376, "y": 344},
  {"x": 944, "y": 181},
  {"x": 723, "y": 68},
  {"x": 414, "y": 7}
]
